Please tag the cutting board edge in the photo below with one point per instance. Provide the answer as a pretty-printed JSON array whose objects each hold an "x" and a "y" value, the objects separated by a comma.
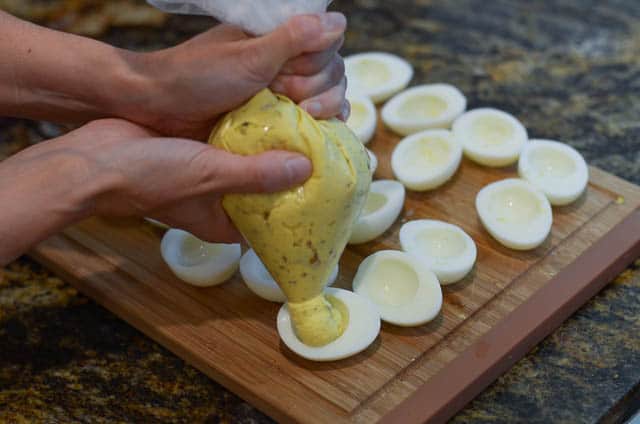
[{"x": 463, "y": 379}]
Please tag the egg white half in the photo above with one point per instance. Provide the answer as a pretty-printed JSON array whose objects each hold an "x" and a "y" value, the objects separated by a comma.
[
  {"x": 426, "y": 160},
  {"x": 490, "y": 137},
  {"x": 384, "y": 204},
  {"x": 444, "y": 248},
  {"x": 361, "y": 331},
  {"x": 259, "y": 280},
  {"x": 555, "y": 168},
  {"x": 363, "y": 118},
  {"x": 373, "y": 162},
  {"x": 405, "y": 291},
  {"x": 377, "y": 75},
  {"x": 196, "y": 262},
  {"x": 424, "y": 107},
  {"x": 515, "y": 213}
]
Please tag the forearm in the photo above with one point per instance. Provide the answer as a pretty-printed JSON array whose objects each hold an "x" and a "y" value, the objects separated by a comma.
[
  {"x": 42, "y": 190},
  {"x": 50, "y": 75}
]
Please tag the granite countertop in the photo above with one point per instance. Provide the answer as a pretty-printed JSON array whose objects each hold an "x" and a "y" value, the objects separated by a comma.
[{"x": 569, "y": 69}]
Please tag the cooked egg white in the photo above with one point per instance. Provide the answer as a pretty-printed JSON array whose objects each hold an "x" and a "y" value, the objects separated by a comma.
[
  {"x": 258, "y": 280},
  {"x": 490, "y": 137},
  {"x": 362, "y": 328},
  {"x": 555, "y": 168},
  {"x": 197, "y": 262},
  {"x": 515, "y": 213},
  {"x": 363, "y": 118},
  {"x": 373, "y": 161},
  {"x": 424, "y": 107},
  {"x": 444, "y": 248},
  {"x": 405, "y": 291},
  {"x": 384, "y": 204},
  {"x": 426, "y": 160},
  {"x": 377, "y": 75}
]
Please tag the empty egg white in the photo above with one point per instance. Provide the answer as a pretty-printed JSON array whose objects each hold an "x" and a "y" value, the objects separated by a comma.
[
  {"x": 384, "y": 204},
  {"x": 515, "y": 213},
  {"x": 197, "y": 262},
  {"x": 377, "y": 75},
  {"x": 424, "y": 107},
  {"x": 156, "y": 223},
  {"x": 556, "y": 169},
  {"x": 490, "y": 137},
  {"x": 426, "y": 160},
  {"x": 361, "y": 331},
  {"x": 259, "y": 280},
  {"x": 444, "y": 248},
  {"x": 363, "y": 118},
  {"x": 405, "y": 291},
  {"x": 373, "y": 161}
]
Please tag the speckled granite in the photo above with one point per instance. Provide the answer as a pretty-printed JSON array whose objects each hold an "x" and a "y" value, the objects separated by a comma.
[{"x": 569, "y": 69}]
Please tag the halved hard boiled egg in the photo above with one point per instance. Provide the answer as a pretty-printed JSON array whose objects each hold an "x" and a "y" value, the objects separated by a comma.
[
  {"x": 156, "y": 223},
  {"x": 405, "y": 291},
  {"x": 373, "y": 161},
  {"x": 490, "y": 137},
  {"x": 363, "y": 118},
  {"x": 361, "y": 330},
  {"x": 384, "y": 204},
  {"x": 515, "y": 213},
  {"x": 555, "y": 168},
  {"x": 197, "y": 262},
  {"x": 426, "y": 160},
  {"x": 444, "y": 248},
  {"x": 259, "y": 280},
  {"x": 377, "y": 75},
  {"x": 424, "y": 107}
]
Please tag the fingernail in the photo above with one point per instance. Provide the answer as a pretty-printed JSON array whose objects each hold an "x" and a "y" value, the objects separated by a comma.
[
  {"x": 298, "y": 169},
  {"x": 333, "y": 21},
  {"x": 313, "y": 108},
  {"x": 346, "y": 111}
]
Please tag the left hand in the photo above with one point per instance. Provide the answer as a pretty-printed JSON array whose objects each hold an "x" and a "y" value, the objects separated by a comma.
[{"x": 191, "y": 84}]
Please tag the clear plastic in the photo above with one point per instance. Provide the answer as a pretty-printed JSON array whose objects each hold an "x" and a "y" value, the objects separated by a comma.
[{"x": 253, "y": 16}]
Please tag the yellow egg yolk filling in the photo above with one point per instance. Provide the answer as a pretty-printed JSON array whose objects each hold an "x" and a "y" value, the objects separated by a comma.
[{"x": 299, "y": 234}]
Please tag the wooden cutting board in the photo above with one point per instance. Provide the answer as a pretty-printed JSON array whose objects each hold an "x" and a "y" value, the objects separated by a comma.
[{"x": 509, "y": 302}]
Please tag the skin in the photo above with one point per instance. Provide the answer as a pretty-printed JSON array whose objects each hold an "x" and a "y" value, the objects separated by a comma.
[{"x": 151, "y": 164}]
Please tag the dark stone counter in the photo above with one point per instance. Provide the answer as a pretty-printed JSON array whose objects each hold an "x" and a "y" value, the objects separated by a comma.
[{"x": 570, "y": 70}]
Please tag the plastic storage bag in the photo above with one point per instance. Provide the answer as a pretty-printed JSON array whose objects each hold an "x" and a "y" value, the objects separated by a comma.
[{"x": 254, "y": 16}]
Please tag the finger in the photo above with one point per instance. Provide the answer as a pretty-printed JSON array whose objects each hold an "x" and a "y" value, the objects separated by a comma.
[
  {"x": 300, "y": 34},
  {"x": 299, "y": 88},
  {"x": 346, "y": 111},
  {"x": 218, "y": 171},
  {"x": 328, "y": 104},
  {"x": 311, "y": 63}
]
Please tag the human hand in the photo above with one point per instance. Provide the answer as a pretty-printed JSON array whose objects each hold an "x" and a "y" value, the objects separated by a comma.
[
  {"x": 191, "y": 84},
  {"x": 115, "y": 168}
]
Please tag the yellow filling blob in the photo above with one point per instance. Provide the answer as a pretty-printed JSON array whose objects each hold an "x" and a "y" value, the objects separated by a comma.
[{"x": 299, "y": 234}]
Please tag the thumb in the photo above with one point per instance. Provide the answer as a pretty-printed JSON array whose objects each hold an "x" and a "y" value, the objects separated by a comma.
[
  {"x": 300, "y": 34},
  {"x": 268, "y": 172}
]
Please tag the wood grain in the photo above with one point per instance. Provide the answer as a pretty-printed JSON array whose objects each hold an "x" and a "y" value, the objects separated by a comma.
[{"x": 230, "y": 335}]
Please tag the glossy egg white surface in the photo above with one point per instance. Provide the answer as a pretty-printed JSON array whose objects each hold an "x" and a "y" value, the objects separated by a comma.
[
  {"x": 490, "y": 137},
  {"x": 259, "y": 280},
  {"x": 377, "y": 75},
  {"x": 444, "y": 248},
  {"x": 363, "y": 118},
  {"x": 424, "y": 107},
  {"x": 384, "y": 203},
  {"x": 361, "y": 331},
  {"x": 426, "y": 160},
  {"x": 555, "y": 168},
  {"x": 405, "y": 291},
  {"x": 373, "y": 162},
  {"x": 196, "y": 262},
  {"x": 515, "y": 213}
]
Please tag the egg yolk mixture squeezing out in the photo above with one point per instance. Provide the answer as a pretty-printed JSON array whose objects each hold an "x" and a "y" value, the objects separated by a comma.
[{"x": 301, "y": 233}]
